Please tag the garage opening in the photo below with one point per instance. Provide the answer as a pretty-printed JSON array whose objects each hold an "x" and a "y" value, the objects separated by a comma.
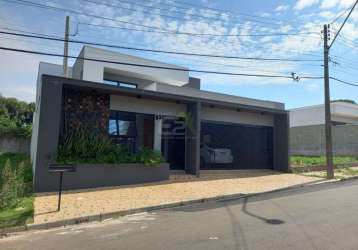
[
  {"x": 235, "y": 146},
  {"x": 173, "y": 142}
]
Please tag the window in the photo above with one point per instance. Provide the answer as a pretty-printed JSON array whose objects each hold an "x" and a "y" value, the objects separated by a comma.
[
  {"x": 122, "y": 128},
  {"x": 122, "y": 124},
  {"x": 112, "y": 127},
  {"x": 120, "y": 84},
  {"x": 131, "y": 129}
]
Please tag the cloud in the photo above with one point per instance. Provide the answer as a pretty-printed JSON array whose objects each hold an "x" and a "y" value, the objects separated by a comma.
[
  {"x": 302, "y": 4},
  {"x": 327, "y": 4},
  {"x": 218, "y": 23},
  {"x": 282, "y": 8}
]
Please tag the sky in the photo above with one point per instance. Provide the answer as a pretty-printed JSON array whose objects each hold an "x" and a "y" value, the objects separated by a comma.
[{"x": 235, "y": 29}]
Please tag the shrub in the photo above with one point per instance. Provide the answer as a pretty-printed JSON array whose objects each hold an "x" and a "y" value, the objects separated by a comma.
[
  {"x": 9, "y": 191},
  {"x": 149, "y": 157},
  {"x": 15, "y": 117},
  {"x": 85, "y": 146}
]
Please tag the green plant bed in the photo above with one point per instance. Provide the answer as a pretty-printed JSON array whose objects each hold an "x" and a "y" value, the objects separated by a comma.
[
  {"x": 17, "y": 215},
  {"x": 321, "y": 160},
  {"x": 86, "y": 147}
]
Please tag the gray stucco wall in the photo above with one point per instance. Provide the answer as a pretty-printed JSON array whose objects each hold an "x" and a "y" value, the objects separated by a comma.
[
  {"x": 15, "y": 145},
  {"x": 107, "y": 175},
  {"x": 281, "y": 142},
  {"x": 310, "y": 140},
  {"x": 48, "y": 136},
  {"x": 192, "y": 147}
]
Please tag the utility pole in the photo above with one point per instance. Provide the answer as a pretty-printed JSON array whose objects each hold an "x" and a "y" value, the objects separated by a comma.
[
  {"x": 327, "y": 101},
  {"x": 65, "y": 49},
  {"x": 327, "y": 106}
]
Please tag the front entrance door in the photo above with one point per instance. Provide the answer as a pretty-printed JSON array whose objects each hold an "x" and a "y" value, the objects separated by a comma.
[{"x": 173, "y": 142}]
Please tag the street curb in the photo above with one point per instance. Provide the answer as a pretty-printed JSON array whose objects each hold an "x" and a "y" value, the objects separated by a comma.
[{"x": 113, "y": 215}]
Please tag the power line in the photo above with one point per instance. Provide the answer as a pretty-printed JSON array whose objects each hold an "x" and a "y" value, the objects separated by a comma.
[
  {"x": 156, "y": 67},
  {"x": 341, "y": 14},
  {"x": 44, "y": 6},
  {"x": 147, "y": 26},
  {"x": 161, "y": 51},
  {"x": 344, "y": 82},
  {"x": 184, "y": 14},
  {"x": 344, "y": 22},
  {"x": 203, "y": 34},
  {"x": 159, "y": 32},
  {"x": 223, "y": 11}
]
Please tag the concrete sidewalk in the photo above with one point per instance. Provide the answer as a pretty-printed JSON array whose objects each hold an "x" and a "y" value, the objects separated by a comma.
[{"x": 179, "y": 189}]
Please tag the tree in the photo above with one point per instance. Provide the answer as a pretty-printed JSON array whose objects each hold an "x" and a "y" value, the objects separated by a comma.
[
  {"x": 15, "y": 117},
  {"x": 345, "y": 100}
]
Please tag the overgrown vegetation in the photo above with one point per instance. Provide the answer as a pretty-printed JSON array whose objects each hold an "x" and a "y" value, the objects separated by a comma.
[
  {"x": 321, "y": 160},
  {"x": 16, "y": 202},
  {"x": 84, "y": 146},
  {"x": 15, "y": 117}
]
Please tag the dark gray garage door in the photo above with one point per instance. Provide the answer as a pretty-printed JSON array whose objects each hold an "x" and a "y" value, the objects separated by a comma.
[{"x": 234, "y": 146}]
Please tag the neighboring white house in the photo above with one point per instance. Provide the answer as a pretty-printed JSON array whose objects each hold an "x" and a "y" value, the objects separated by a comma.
[
  {"x": 307, "y": 129},
  {"x": 341, "y": 113}
]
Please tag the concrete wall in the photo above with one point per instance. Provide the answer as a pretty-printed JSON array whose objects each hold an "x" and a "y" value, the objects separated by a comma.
[
  {"x": 310, "y": 140},
  {"x": 44, "y": 68},
  {"x": 208, "y": 95},
  {"x": 107, "y": 175},
  {"x": 281, "y": 149},
  {"x": 15, "y": 145},
  {"x": 146, "y": 106},
  {"x": 93, "y": 71},
  {"x": 192, "y": 146},
  {"x": 49, "y": 117},
  {"x": 314, "y": 115},
  {"x": 232, "y": 116}
]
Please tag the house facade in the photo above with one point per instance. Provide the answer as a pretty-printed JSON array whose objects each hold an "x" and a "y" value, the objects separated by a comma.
[
  {"x": 307, "y": 129},
  {"x": 159, "y": 107}
]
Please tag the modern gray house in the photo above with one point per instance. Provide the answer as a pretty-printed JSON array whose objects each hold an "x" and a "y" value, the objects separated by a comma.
[
  {"x": 161, "y": 108},
  {"x": 307, "y": 129}
]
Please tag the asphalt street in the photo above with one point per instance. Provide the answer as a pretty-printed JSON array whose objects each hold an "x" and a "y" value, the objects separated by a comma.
[{"x": 318, "y": 217}]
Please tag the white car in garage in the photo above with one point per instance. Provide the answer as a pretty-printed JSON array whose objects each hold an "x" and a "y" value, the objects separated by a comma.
[{"x": 211, "y": 155}]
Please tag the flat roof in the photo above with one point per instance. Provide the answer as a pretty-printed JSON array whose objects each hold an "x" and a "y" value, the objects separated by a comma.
[{"x": 110, "y": 89}]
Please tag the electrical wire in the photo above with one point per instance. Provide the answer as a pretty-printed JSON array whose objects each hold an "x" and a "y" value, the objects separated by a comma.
[
  {"x": 183, "y": 16},
  {"x": 156, "y": 67},
  {"x": 29, "y": 3},
  {"x": 44, "y": 6},
  {"x": 202, "y": 34},
  {"x": 344, "y": 82},
  {"x": 220, "y": 11},
  {"x": 161, "y": 51}
]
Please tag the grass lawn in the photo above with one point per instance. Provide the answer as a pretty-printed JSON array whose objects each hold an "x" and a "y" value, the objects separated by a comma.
[
  {"x": 19, "y": 215},
  {"x": 22, "y": 212},
  {"x": 321, "y": 160}
]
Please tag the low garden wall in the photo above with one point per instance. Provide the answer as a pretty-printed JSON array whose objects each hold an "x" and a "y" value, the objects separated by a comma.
[
  {"x": 106, "y": 175},
  {"x": 15, "y": 144}
]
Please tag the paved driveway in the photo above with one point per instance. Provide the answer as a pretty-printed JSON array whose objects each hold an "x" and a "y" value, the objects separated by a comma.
[
  {"x": 315, "y": 217},
  {"x": 179, "y": 188}
]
